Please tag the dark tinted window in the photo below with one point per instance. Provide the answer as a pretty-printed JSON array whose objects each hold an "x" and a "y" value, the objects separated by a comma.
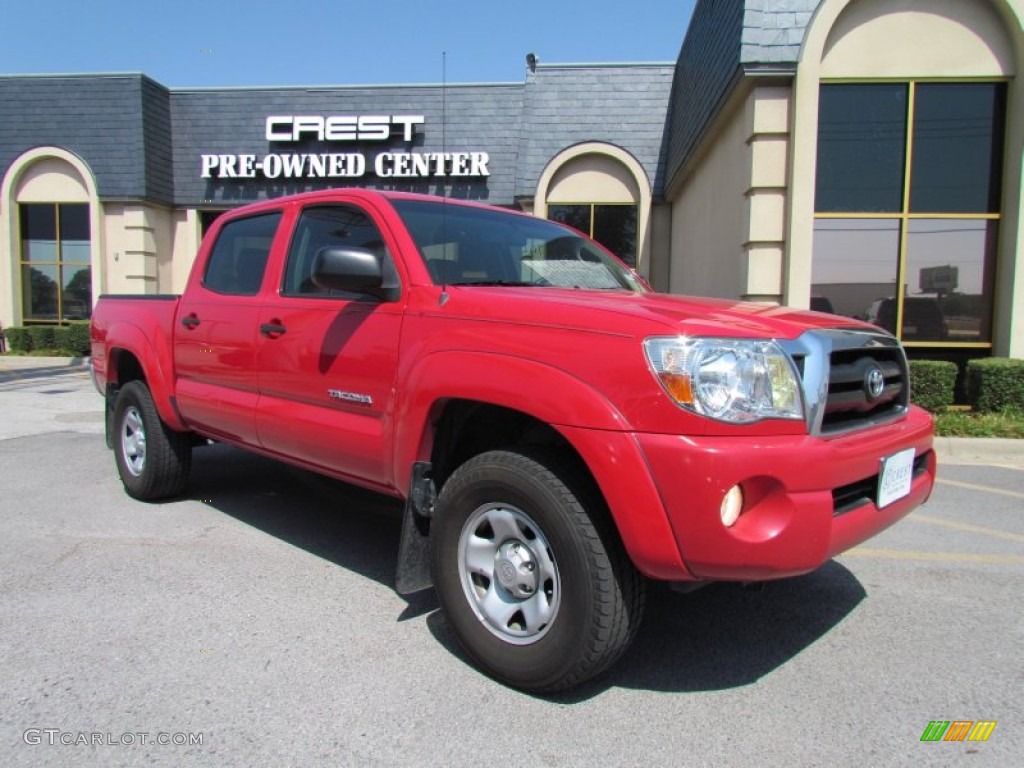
[
  {"x": 615, "y": 229},
  {"x": 206, "y": 219},
  {"x": 958, "y": 130},
  {"x": 926, "y": 269},
  {"x": 56, "y": 252},
  {"x": 861, "y": 147},
  {"x": 239, "y": 256},
  {"x": 575, "y": 216},
  {"x": 326, "y": 227},
  {"x": 39, "y": 232},
  {"x": 74, "y": 222},
  {"x": 613, "y": 225},
  {"x": 856, "y": 263},
  {"x": 951, "y": 268}
]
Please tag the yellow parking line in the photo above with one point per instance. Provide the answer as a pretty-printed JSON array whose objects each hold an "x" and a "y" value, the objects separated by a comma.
[
  {"x": 939, "y": 557},
  {"x": 968, "y": 527},
  {"x": 987, "y": 489}
]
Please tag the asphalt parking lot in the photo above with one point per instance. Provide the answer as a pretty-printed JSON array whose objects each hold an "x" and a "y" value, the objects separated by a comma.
[{"x": 257, "y": 615}]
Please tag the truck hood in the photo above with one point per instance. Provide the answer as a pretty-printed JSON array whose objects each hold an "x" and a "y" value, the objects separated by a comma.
[{"x": 638, "y": 314}]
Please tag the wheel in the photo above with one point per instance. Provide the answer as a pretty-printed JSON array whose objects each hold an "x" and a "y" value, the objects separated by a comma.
[
  {"x": 530, "y": 572},
  {"x": 152, "y": 459}
]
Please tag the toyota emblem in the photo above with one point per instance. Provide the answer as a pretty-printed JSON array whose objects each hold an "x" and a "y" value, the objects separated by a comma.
[{"x": 874, "y": 383}]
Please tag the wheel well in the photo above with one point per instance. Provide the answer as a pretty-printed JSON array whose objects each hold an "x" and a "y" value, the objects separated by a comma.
[
  {"x": 467, "y": 428},
  {"x": 126, "y": 367}
]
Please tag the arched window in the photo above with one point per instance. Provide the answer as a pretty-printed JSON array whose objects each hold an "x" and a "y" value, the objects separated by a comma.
[
  {"x": 602, "y": 191},
  {"x": 50, "y": 218},
  {"x": 56, "y": 273}
]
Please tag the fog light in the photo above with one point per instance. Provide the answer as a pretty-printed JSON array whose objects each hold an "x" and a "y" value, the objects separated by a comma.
[{"x": 732, "y": 505}]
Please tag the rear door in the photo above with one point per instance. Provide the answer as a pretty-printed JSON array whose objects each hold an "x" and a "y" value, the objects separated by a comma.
[
  {"x": 327, "y": 359},
  {"x": 214, "y": 344}
]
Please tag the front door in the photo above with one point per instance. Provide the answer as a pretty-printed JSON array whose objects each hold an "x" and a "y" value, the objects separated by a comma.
[{"x": 327, "y": 359}]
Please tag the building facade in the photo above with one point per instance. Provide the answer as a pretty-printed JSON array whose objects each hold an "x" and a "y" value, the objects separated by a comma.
[{"x": 862, "y": 157}]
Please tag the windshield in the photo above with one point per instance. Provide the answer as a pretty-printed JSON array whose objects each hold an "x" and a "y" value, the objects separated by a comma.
[{"x": 479, "y": 246}]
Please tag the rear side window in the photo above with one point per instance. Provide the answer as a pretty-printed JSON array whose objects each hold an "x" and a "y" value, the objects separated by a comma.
[
  {"x": 239, "y": 256},
  {"x": 328, "y": 226}
]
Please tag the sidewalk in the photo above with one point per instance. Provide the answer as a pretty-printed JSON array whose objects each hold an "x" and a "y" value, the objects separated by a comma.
[{"x": 951, "y": 450}]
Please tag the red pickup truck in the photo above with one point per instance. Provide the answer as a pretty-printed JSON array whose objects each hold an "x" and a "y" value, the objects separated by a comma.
[{"x": 559, "y": 432}]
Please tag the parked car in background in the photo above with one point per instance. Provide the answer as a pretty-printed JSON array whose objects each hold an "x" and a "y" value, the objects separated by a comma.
[{"x": 922, "y": 318}]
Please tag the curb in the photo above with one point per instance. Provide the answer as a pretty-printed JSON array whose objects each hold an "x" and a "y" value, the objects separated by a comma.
[
  {"x": 980, "y": 450},
  {"x": 21, "y": 368},
  {"x": 19, "y": 362}
]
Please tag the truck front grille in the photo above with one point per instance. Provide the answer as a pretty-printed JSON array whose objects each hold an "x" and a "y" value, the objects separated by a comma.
[
  {"x": 850, "y": 405},
  {"x": 851, "y": 379}
]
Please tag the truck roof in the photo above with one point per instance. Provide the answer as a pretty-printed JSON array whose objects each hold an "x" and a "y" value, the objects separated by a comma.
[{"x": 364, "y": 194}]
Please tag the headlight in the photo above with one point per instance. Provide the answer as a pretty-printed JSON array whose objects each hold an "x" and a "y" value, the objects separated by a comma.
[{"x": 734, "y": 380}]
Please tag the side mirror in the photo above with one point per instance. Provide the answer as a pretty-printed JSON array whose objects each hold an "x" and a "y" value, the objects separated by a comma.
[{"x": 356, "y": 270}]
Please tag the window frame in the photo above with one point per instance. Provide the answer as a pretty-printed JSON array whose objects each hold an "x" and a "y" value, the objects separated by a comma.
[
  {"x": 388, "y": 262},
  {"x": 274, "y": 212},
  {"x": 59, "y": 262},
  {"x": 905, "y": 216}
]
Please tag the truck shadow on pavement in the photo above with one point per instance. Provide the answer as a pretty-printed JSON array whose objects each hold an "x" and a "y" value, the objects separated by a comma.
[{"x": 720, "y": 637}]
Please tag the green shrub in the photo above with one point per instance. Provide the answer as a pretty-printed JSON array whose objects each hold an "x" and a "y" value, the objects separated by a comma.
[
  {"x": 78, "y": 338},
  {"x": 71, "y": 340},
  {"x": 995, "y": 384},
  {"x": 42, "y": 336},
  {"x": 18, "y": 339},
  {"x": 62, "y": 340},
  {"x": 931, "y": 383}
]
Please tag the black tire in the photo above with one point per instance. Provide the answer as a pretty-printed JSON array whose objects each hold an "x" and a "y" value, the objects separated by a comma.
[
  {"x": 576, "y": 624},
  {"x": 157, "y": 466}
]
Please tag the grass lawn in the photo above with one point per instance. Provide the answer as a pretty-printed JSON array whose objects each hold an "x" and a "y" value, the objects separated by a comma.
[{"x": 960, "y": 423}]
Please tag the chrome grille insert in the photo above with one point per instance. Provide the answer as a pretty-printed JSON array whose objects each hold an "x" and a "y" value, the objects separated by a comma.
[{"x": 851, "y": 379}]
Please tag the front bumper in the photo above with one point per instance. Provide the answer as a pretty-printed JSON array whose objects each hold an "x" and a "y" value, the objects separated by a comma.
[{"x": 806, "y": 498}]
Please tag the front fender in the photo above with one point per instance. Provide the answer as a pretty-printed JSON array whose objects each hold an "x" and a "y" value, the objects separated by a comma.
[
  {"x": 542, "y": 391},
  {"x": 154, "y": 354},
  {"x": 587, "y": 420}
]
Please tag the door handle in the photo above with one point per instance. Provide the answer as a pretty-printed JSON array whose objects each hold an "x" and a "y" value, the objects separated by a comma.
[
  {"x": 273, "y": 330},
  {"x": 190, "y": 321}
]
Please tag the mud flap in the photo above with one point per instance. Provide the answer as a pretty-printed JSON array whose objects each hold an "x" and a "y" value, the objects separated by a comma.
[
  {"x": 108, "y": 414},
  {"x": 413, "y": 572}
]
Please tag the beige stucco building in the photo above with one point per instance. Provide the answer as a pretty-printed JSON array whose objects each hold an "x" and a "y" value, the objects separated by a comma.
[{"x": 754, "y": 213}]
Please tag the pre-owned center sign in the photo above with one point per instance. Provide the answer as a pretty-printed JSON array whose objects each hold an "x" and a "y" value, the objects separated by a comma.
[{"x": 281, "y": 129}]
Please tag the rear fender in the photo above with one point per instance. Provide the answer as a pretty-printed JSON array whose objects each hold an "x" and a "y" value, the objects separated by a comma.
[{"x": 150, "y": 352}]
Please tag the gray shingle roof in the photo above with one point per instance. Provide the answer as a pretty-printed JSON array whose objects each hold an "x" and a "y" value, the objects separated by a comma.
[
  {"x": 96, "y": 118},
  {"x": 725, "y": 39},
  {"x": 773, "y": 30},
  {"x": 569, "y": 104}
]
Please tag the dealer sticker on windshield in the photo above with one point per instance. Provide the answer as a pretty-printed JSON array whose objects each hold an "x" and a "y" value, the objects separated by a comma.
[{"x": 894, "y": 479}]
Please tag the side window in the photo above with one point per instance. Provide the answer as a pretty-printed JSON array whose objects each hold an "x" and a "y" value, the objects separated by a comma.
[
  {"x": 328, "y": 226},
  {"x": 239, "y": 256}
]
